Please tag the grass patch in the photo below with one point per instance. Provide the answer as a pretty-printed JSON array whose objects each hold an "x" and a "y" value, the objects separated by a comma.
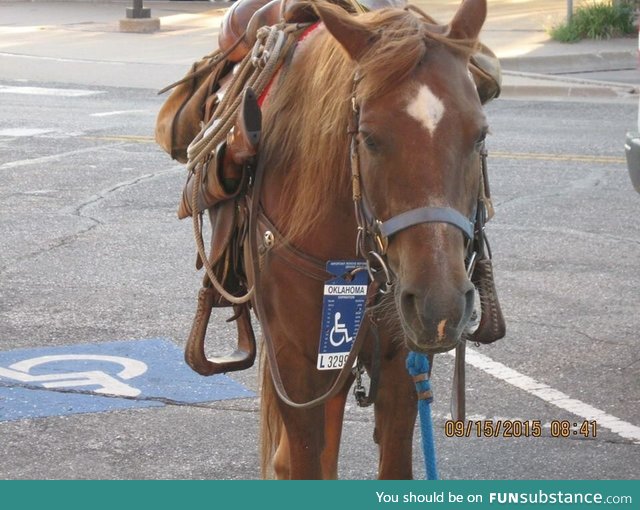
[{"x": 597, "y": 20}]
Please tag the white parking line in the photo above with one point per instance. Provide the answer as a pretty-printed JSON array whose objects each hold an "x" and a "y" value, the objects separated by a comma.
[
  {"x": 552, "y": 396},
  {"x": 24, "y": 132},
  {"x": 43, "y": 91},
  {"x": 116, "y": 112},
  {"x": 55, "y": 157}
]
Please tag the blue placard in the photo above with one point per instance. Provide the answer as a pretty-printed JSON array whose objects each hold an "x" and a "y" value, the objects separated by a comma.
[
  {"x": 343, "y": 307},
  {"x": 98, "y": 377}
]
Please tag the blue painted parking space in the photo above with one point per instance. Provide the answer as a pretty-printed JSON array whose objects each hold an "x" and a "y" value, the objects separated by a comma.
[{"x": 99, "y": 377}]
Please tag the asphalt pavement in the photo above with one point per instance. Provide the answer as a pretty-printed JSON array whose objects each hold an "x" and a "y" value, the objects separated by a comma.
[{"x": 92, "y": 259}]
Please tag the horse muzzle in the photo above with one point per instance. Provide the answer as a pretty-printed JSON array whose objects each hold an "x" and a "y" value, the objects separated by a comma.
[
  {"x": 435, "y": 319},
  {"x": 433, "y": 293}
]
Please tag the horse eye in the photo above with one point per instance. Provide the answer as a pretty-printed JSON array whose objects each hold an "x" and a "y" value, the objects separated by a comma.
[
  {"x": 368, "y": 140},
  {"x": 480, "y": 140}
]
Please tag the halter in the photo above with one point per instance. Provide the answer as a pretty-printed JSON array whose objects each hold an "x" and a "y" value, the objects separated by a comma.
[{"x": 373, "y": 234}]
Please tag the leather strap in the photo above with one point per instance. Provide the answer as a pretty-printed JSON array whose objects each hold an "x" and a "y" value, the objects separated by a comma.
[
  {"x": 258, "y": 303},
  {"x": 428, "y": 215},
  {"x": 302, "y": 262},
  {"x": 458, "y": 396},
  {"x": 363, "y": 398}
]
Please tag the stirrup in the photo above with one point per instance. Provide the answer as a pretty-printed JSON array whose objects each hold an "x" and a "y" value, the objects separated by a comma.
[{"x": 242, "y": 358}]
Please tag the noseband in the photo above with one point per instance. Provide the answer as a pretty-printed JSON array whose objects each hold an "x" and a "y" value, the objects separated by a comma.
[{"x": 373, "y": 234}]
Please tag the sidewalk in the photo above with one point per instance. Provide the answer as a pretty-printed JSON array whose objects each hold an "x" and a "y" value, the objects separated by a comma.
[{"x": 79, "y": 42}]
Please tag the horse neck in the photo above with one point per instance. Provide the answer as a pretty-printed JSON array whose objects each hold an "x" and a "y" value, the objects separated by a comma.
[{"x": 307, "y": 182}]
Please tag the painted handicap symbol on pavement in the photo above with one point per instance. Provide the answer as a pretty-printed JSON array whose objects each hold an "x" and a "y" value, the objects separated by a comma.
[
  {"x": 100, "y": 377},
  {"x": 107, "y": 384}
]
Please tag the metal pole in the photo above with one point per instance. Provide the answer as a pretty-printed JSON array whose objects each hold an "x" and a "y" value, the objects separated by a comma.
[
  {"x": 138, "y": 11},
  {"x": 569, "y": 10}
]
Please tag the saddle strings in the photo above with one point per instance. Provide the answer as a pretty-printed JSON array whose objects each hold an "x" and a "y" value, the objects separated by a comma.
[{"x": 255, "y": 71}]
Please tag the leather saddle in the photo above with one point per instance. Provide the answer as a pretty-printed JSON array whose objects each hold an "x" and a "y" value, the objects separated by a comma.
[
  {"x": 245, "y": 17},
  {"x": 241, "y": 23}
]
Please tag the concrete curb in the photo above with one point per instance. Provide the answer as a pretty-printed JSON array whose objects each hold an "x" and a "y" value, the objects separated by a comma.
[
  {"x": 519, "y": 91},
  {"x": 519, "y": 84},
  {"x": 630, "y": 88},
  {"x": 572, "y": 62},
  {"x": 140, "y": 25}
]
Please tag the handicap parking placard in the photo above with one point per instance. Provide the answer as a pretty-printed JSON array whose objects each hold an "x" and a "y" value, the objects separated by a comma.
[
  {"x": 343, "y": 306},
  {"x": 100, "y": 377}
]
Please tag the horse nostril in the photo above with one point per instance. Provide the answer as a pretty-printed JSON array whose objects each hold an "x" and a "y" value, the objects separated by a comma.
[{"x": 407, "y": 301}]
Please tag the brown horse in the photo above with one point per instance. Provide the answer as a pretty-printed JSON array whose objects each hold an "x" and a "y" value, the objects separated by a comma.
[{"x": 400, "y": 84}]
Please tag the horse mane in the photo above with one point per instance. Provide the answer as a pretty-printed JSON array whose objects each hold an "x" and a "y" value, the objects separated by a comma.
[{"x": 306, "y": 122}]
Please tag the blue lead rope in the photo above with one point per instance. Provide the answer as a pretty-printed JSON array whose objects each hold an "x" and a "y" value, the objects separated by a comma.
[{"x": 418, "y": 367}]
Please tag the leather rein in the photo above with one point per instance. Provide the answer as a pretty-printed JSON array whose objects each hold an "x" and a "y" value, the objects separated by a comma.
[{"x": 372, "y": 242}]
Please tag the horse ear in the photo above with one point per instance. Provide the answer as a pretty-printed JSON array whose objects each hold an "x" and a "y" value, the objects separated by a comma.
[
  {"x": 354, "y": 37},
  {"x": 468, "y": 21}
]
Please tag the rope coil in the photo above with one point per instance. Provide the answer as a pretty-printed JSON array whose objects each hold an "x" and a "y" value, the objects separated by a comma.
[{"x": 255, "y": 71}]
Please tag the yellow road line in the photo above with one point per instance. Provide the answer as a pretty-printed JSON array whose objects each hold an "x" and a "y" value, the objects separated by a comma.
[
  {"x": 540, "y": 156},
  {"x": 581, "y": 158},
  {"x": 122, "y": 138}
]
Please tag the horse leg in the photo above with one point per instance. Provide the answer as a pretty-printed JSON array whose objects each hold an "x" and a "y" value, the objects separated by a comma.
[
  {"x": 304, "y": 441},
  {"x": 274, "y": 445},
  {"x": 334, "y": 414},
  {"x": 395, "y": 411},
  {"x": 333, "y": 419},
  {"x": 333, "y": 411},
  {"x": 283, "y": 426},
  {"x": 282, "y": 458},
  {"x": 292, "y": 438}
]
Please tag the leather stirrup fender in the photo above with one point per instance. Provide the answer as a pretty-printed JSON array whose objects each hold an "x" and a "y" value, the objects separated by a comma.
[
  {"x": 224, "y": 221},
  {"x": 221, "y": 181}
]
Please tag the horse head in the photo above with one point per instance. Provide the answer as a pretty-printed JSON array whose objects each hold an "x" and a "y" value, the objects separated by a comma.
[{"x": 419, "y": 128}]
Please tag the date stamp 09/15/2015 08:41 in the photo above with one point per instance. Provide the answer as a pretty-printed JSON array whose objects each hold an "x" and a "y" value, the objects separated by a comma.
[{"x": 520, "y": 428}]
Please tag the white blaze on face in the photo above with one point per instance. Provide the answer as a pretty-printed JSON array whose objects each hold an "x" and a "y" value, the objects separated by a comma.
[{"x": 426, "y": 108}]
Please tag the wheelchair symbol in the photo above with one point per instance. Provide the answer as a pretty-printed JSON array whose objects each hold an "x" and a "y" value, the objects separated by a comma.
[
  {"x": 340, "y": 330},
  {"x": 107, "y": 384}
]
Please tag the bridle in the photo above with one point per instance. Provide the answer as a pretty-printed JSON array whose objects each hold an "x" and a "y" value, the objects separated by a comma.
[
  {"x": 373, "y": 241},
  {"x": 373, "y": 234}
]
